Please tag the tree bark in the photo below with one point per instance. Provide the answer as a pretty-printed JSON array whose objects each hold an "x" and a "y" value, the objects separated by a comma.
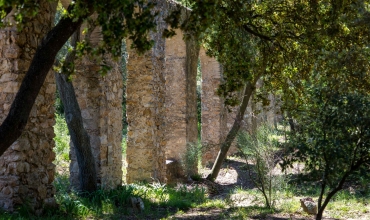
[
  {"x": 79, "y": 136},
  {"x": 225, "y": 146},
  {"x": 43, "y": 60}
]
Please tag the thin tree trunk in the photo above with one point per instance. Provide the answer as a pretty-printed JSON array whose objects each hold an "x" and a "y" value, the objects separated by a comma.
[
  {"x": 79, "y": 136},
  {"x": 225, "y": 146},
  {"x": 337, "y": 188},
  {"x": 43, "y": 60}
]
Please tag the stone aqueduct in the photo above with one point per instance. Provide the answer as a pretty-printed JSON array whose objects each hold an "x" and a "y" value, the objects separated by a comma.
[{"x": 161, "y": 111}]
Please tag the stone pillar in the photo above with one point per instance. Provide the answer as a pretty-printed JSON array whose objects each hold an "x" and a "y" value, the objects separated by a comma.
[
  {"x": 145, "y": 108},
  {"x": 100, "y": 100},
  {"x": 176, "y": 97},
  {"x": 26, "y": 168},
  {"x": 214, "y": 127},
  {"x": 181, "y": 101}
]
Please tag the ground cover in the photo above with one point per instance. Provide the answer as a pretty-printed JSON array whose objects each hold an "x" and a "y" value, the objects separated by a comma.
[{"x": 232, "y": 196}]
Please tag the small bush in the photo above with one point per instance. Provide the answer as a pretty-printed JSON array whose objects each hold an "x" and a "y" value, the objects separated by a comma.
[
  {"x": 190, "y": 160},
  {"x": 261, "y": 150}
]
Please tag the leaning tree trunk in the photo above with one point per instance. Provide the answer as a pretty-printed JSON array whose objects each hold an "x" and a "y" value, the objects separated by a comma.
[
  {"x": 72, "y": 112},
  {"x": 225, "y": 146},
  {"x": 43, "y": 60}
]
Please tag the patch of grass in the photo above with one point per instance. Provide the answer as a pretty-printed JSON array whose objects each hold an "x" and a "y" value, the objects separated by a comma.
[
  {"x": 348, "y": 205},
  {"x": 61, "y": 139},
  {"x": 214, "y": 203},
  {"x": 159, "y": 201},
  {"x": 256, "y": 212}
]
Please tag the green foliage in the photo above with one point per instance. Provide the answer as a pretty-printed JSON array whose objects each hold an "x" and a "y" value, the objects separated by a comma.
[
  {"x": 61, "y": 139},
  {"x": 335, "y": 134},
  {"x": 260, "y": 149},
  {"x": 190, "y": 159},
  {"x": 124, "y": 146},
  {"x": 282, "y": 41},
  {"x": 118, "y": 20},
  {"x": 24, "y": 9},
  {"x": 117, "y": 202}
]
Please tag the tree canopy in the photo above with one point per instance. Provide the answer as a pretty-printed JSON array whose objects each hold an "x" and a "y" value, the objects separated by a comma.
[{"x": 286, "y": 43}]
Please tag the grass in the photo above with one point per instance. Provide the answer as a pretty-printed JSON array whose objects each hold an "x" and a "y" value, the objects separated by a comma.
[
  {"x": 345, "y": 204},
  {"x": 165, "y": 202},
  {"x": 61, "y": 149}
]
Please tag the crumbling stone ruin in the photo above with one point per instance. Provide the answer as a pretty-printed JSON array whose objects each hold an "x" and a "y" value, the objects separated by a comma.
[{"x": 161, "y": 111}]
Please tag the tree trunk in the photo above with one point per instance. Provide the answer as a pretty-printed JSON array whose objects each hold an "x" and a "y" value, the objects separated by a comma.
[
  {"x": 339, "y": 187},
  {"x": 79, "y": 136},
  {"x": 225, "y": 146},
  {"x": 43, "y": 60}
]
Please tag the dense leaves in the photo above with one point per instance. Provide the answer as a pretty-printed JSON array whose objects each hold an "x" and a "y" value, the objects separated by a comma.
[{"x": 334, "y": 134}]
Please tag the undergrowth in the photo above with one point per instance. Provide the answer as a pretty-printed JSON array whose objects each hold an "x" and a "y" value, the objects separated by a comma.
[{"x": 164, "y": 202}]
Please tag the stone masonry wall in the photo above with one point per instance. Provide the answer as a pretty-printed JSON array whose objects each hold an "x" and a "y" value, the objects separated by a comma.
[
  {"x": 145, "y": 108},
  {"x": 213, "y": 111},
  {"x": 26, "y": 168},
  {"x": 182, "y": 53},
  {"x": 100, "y": 100},
  {"x": 176, "y": 97}
]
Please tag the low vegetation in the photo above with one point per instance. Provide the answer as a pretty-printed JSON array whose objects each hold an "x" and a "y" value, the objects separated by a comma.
[{"x": 197, "y": 200}]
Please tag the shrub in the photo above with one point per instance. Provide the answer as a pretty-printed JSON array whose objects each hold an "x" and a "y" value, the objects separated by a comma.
[
  {"x": 190, "y": 159},
  {"x": 260, "y": 149}
]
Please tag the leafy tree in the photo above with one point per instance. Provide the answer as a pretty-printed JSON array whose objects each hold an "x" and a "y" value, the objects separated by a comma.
[
  {"x": 281, "y": 42},
  {"x": 252, "y": 40},
  {"x": 334, "y": 139}
]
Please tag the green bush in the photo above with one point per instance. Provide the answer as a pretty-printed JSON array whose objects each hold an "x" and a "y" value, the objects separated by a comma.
[
  {"x": 261, "y": 150},
  {"x": 190, "y": 159}
]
